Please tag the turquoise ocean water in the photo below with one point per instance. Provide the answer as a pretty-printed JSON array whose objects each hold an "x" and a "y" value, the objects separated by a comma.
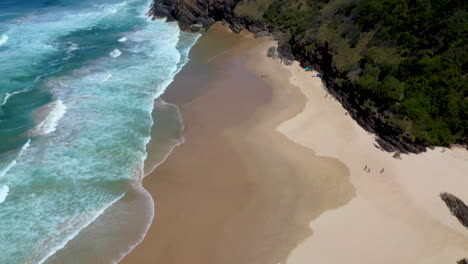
[{"x": 78, "y": 80}]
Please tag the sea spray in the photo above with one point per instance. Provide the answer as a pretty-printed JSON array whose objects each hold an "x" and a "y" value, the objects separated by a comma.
[{"x": 84, "y": 152}]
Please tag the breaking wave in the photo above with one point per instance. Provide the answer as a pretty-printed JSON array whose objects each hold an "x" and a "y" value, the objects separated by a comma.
[
  {"x": 49, "y": 124},
  {"x": 92, "y": 143},
  {"x": 3, "y": 39}
]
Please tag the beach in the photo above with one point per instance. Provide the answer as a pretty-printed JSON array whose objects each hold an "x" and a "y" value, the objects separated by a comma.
[{"x": 272, "y": 171}]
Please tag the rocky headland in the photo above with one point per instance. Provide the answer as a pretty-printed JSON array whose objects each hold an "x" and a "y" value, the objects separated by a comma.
[{"x": 196, "y": 15}]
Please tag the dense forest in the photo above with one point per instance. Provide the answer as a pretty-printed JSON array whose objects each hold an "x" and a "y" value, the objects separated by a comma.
[{"x": 404, "y": 60}]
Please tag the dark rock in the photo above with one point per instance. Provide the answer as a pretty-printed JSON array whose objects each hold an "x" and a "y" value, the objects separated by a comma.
[
  {"x": 256, "y": 28},
  {"x": 386, "y": 145},
  {"x": 158, "y": 10},
  {"x": 287, "y": 62},
  {"x": 276, "y": 34},
  {"x": 463, "y": 261},
  {"x": 272, "y": 52},
  {"x": 457, "y": 207},
  {"x": 192, "y": 12},
  {"x": 195, "y": 27},
  {"x": 236, "y": 28},
  {"x": 262, "y": 34}
]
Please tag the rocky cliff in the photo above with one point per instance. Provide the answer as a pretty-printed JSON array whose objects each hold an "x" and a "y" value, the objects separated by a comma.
[{"x": 194, "y": 15}]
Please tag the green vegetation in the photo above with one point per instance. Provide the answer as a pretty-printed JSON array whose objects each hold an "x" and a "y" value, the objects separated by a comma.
[{"x": 404, "y": 59}]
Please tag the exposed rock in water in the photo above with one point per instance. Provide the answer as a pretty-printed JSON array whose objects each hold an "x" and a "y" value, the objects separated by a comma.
[
  {"x": 457, "y": 207},
  {"x": 463, "y": 261}
]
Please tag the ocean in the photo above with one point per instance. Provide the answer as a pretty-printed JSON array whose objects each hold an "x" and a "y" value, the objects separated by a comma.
[{"x": 78, "y": 84}]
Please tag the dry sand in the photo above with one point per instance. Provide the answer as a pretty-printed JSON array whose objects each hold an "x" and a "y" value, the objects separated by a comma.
[
  {"x": 272, "y": 171},
  {"x": 397, "y": 216}
]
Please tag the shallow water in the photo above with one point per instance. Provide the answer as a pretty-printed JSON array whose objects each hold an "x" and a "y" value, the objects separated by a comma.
[{"x": 93, "y": 68}]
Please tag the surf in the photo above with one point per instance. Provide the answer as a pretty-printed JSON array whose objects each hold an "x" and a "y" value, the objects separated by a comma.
[
  {"x": 4, "y": 189},
  {"x": 82, "y": 156},
  {"x": 49, "y": 124}
]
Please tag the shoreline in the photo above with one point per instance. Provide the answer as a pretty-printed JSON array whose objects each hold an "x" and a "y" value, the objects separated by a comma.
[
  {"x": 235, "y": 171},
  {"x": 325, "y": 141}
]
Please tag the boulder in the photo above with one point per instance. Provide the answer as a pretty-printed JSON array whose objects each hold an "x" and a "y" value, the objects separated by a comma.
[
  {"x": 457, "y": 207},
  {"x": 272, "y": 52}
]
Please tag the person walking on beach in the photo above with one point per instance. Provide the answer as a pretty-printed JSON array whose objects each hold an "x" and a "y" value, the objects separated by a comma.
[
  {"x": 382, "y": 170},
  {"x": 365, "y": 168},
  {"x": 368, "y": 170}
]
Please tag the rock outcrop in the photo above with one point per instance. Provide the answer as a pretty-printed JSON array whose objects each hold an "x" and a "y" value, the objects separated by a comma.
[
  {"x": 194, "y": 15},
  {"x": 457, "y": 207}
]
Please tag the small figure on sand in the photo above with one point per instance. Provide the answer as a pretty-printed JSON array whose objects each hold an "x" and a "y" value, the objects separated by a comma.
[
  {"x": 365, "y": 168},
  {"x": 382, "y": 170},
  {"x": 368, "y": 170}
]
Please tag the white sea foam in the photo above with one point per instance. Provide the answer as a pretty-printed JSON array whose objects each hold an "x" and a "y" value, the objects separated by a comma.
[
  {"x": 24, "y": 147},
  {"x": 9, "y": 95},
  {"x": 123, "y": 39},
  {"x": 91, "y": 217},
  {"x": 106, "y": 78},
  {"x": 73, "y": 47},
  {"x": 3, "y": 39},
  {"x": 49, "y": 124},
  {"x": 125, "y": 112},
  {"x": 115, "y": 53},
  {"x": 5, "y": 99},
  {"x": 7, "y": 168},
  {"x": 4, "y": 189},
  {"x": 13, "y": 162}
]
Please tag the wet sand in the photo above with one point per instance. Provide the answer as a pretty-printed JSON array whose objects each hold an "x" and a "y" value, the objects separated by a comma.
[{"x": 237, "y": 190}]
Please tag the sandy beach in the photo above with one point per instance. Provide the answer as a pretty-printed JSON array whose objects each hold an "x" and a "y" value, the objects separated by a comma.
[
  {"x": 272, "y": 170},
  {"x": 397, "y": 215}
]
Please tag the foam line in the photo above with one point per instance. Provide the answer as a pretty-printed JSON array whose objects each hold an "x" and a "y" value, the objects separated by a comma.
[
  {"x": 51, "y": 121},
  {"x": 4, "y": 189}
]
